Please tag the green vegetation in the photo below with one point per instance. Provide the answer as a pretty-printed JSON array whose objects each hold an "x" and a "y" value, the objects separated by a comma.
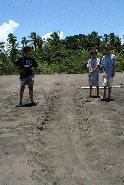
[{"x": 55, "y": 55}]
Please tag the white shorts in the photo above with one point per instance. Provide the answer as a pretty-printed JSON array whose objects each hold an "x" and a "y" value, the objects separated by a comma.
[
  {"x": 107, "y": 82},
  {"x": 93, "y": 83}
]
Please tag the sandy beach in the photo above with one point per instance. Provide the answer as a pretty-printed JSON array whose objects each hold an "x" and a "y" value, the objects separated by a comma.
[{"x": 67, "y": 139}]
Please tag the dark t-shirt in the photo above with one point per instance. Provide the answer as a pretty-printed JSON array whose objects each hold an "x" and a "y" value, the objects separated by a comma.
[{"x": 26, "y": 66}]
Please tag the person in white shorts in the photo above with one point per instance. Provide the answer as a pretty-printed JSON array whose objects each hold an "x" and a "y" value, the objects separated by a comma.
[
  {"x": 108, "y": 63},
  {"x": 93, "y": 71}
]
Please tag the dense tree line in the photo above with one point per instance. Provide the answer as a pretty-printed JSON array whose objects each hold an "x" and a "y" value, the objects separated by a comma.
[{"x": 55, "y": 55}]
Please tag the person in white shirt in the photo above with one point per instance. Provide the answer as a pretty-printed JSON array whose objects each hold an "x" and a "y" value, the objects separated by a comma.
[
  {"x": 93, "y": 71},
  {"x": 108, "y": 63}
]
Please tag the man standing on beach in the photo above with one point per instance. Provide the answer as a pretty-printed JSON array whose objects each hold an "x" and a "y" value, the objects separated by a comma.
[{"x": 26, "y": 65}]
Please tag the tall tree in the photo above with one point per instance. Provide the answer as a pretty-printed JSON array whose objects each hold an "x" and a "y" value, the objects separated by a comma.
[
  {"x": 112, "y": 39},
  {"x": 40, "y": 42},
  {"x": 12, "y": 46},
  {"x": 33, "y": 37},
  {"x": 24, "y": 41},
  {"x": 105, "y": 39},
  {"x": 117, "y": 44},
  {"x": 94, "y": 40},
  {"x": 2, "y": 46},
  {"x": 54, "y": 39},
  {"x": 53, "y": 48}
]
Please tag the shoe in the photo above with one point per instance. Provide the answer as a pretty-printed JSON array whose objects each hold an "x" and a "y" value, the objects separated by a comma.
[
  {"x": 104, "y": 98},
  {"x": 98, "y": 96},
  {"x": 19, "y": 105},
  {"x": 33, "y": 104},
  {"x": 109, "y": 99}
]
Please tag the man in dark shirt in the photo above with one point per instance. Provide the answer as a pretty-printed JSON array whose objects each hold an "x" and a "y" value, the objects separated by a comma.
[{"x": 26, "y": 65}]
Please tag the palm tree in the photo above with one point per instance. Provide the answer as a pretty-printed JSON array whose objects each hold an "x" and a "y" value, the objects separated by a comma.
[
  {"x": 12, "y": 46},
  {"x": 33, "y": 37},
  {"x": 2, "y": 46},
  {"x": 40, "y": 43},
  {"x": 24, "y": 41}
]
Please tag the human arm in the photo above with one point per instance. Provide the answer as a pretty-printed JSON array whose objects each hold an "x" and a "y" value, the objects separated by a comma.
[
  {"x": 89, "y": 69},
  {"x": 113, "y": 70},
  {"x": 113, "y": 65}
]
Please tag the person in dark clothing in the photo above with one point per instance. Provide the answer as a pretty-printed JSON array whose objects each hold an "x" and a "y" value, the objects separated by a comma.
[{"x": 26, "y": 65}]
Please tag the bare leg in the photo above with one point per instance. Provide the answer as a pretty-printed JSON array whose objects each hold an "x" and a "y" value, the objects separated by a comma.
[
  {"x": 104, "y": 92},
  {"x": 97, "y": 91},
  {"x": 21, "y": 93},
  {"x": 90, "y": 91},
  {"x": 109, "y": 91},
  {"x": 31, "y": 93}
]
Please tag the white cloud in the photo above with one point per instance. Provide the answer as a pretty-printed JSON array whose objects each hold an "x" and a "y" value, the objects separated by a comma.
[
  {"x": 61, "y": 35},
  {"x": 7, "y": 28},
  {"x": 47, "y": 35}
]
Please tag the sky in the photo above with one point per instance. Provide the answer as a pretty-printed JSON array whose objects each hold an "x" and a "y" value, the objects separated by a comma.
[{"x": 69, "y": 17}]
